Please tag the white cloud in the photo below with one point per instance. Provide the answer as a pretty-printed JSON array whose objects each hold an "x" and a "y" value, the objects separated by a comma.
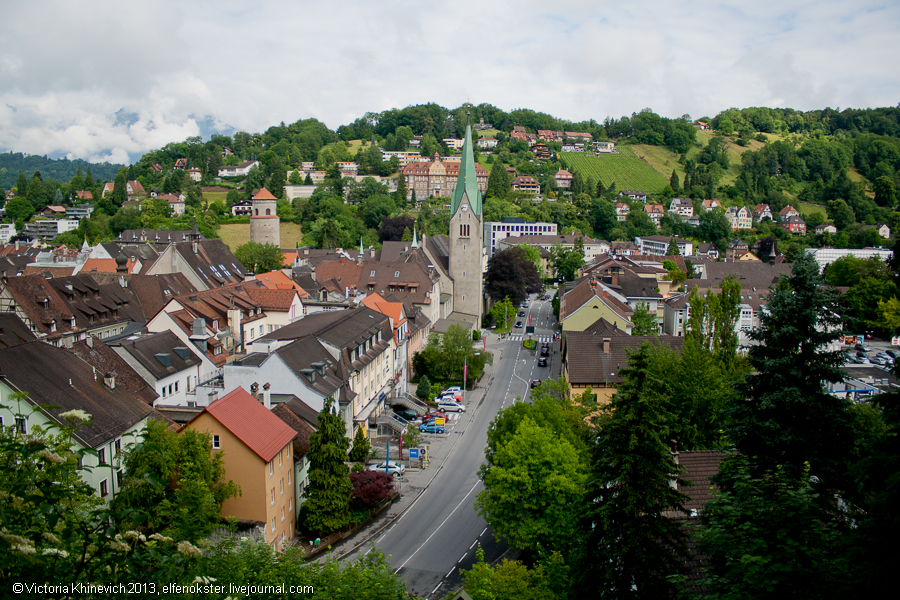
[{"x": 252, "y": 65}]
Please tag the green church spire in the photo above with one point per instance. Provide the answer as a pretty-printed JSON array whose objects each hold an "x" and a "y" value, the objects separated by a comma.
[{"x": 467, "y": 182}]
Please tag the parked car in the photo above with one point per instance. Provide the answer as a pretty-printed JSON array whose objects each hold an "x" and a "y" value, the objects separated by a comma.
[
  {"x": 859, "y": 360},
  {"x": 431, "y": 428},
  {"x": 430, "y": 416},
  {"x": 521, "y": 313},
  {"x": 545, "y": 350},
  {"x": 862, "y": 347},
  {"x": 535, "y": 383},
  {"x": 452, "y": 388},
  {"x": 448, "y": 406},
  {"x": 895, "y": 354},
  {"x": 542, "y": 361},
  {"x": 518, "y": 324},
  {"x": 452, "y": 396},
  {"x": 394, "y": 468},
  {"x": 407, "y": 413},
  {"x": 885, "y": 360}
]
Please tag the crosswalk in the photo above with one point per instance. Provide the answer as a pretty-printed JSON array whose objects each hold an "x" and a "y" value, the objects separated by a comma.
[{"x": 541, "y": 339}]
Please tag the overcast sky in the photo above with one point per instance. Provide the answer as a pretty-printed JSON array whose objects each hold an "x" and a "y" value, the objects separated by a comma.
[{"x": 67, "y": 68}]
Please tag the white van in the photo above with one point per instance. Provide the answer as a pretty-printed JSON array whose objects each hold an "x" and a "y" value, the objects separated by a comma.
[{"x": 448, "y": 405}]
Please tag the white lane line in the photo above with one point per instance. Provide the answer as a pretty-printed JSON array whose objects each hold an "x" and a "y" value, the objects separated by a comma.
[
  {"x": 407, "y": 510},
  {"x": 438, "y": 527},
  {"x": 482, "y": 532},
  {"x": 473, "y": 544},
  {"x": 463, "y": 558},
  {"x": 437, "y": 586}
]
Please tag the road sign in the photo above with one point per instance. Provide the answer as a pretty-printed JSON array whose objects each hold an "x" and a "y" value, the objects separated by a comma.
[
  {"x": 414, "y": 453},
  {"x": 439, "y": 421}
]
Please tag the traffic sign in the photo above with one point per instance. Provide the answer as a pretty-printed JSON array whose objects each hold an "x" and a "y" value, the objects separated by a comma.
[
  {"x": 414, "y": 453},
  {"x": 439, "y": 421}
]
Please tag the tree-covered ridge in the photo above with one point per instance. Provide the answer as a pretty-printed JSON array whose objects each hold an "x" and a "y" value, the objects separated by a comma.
[{"x": 61, "y": 170}]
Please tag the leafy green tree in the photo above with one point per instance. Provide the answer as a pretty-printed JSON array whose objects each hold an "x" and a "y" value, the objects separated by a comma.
[
  {"x": 785, "y": 418},
  {"x": 768, "y": 537},
  {"x": 260, "y": 258},
  {"x": 631, "y": 544},
  {"x": 411, "y": 437},
  {"x": 885, "y": 192},
  {"x": 712, "y": 319},
  {"x": 534, "y": 255},
  {"x": 840, "y": 214},
  {"x": 889, "y": 315},
  {"x": 178, "y": 481},
  {"x": 511, "y": 274},
  {"x": 644, "y": 322},
  {"x": 361, "y": 446},
  {"x": 512, "y": 579},
  {"x": 19, "y": 208},
  {"x": 862, "y": 302},
  {"x": 376, "y": 208},
  {"x": 504, "y": 309},
  {"x": 327, "y": 505},
  {"x": 715, "y": 228},
  {"x": 533, "y": 490},
  {"x": 566, "y": 261}
]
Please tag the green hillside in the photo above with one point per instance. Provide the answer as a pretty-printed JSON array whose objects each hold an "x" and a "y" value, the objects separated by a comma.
[{"x": 627, "y": 171}]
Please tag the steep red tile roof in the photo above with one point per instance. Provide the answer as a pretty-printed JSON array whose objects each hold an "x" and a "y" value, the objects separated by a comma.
[
  {"x": 251, "y": 422},
  {"x": 267, "y": 299},
  {"x": 264, "y": 194}
]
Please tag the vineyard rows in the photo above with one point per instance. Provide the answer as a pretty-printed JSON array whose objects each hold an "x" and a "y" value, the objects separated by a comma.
[{"x": 627, "y": 171}]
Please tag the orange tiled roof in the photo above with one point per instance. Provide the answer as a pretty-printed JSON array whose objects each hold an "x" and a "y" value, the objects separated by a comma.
[
  {"x": 277, "y": 280},
  {"x": 252, "y": 423},
  {"x": 104, "y": 265},
  {"x": 264, "y": 194}
]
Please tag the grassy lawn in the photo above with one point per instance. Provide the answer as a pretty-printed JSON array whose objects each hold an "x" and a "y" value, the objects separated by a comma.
[
  {"x": 482, "y": 160},
  {"x": 806, "y": 208},
  {"x": 235, "y": 235},
  {"x": 211, "y": 197}
]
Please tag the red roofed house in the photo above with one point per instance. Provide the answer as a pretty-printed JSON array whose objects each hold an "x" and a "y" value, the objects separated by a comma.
[
  {"x": 257, "y": 452},
  {"x": 563, "y": 179}
]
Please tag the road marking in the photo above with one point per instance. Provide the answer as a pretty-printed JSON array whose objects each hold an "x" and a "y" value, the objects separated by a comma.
[
  {"x": 473, "y": 544},
  {"x": 482, "y": 532},
  {"x": 463, "y": 558},
  {"x": 438, "y": 527},
  {"x": 439, "y": 585}
]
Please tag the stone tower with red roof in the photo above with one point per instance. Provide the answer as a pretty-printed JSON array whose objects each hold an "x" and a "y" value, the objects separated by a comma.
[{"x": 265, "y": 226}]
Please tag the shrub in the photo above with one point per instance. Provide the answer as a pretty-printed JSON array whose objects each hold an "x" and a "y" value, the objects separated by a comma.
[{"x": 370, "y": 487}]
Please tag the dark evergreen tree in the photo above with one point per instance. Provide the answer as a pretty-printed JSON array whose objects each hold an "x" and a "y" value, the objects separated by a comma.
[
  {"x": 672, "y": 250},
  {"x": 308, "y": 180},
  {"x": 674, "y": 182},
  {"x": 21, "y": 185},
  {"x": 89, "y": 180},
  {"x": 120, "y": 191},
  {"x": 632, "y": 544},
  {"x": 499, "y": 182},
  {"x": 361, "y": 446},
  {"x": 402, "y": 191},
  {"x": 327, "y": 505},
  {"x": 784, "y": 415}
]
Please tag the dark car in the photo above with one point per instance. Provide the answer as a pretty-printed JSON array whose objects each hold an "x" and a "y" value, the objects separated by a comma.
[
  {"x": 895, "y": 354},
  {"x": 545, "y": 350},
  {"x": 521, "y": 313},
  {"x": 407, "y": 413},
  {"x": 535, "y": 383},
  {"x": 862, "y": 347},
  {"x": 518, "y": 324},
  {"x": 542, "y": 362}
]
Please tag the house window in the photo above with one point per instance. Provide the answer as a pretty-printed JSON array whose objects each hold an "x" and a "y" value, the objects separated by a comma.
[
  {"x": 251, "y": 332},
  {"x": 217, "y": 350},
  {"x": 271, "y": 468},
  {"x": 290, "y": 504},
  {"x": 117, "y": 445},
  {"x": 288, "y": 449},
  {"x": 279, "y": 459},
  {"x": 281, "y": 483},
  {"x": 120, "y": 477},
  {"x": 273, "y": 496},
  {"x": 216, "y": 324},
  {"x": 104, "y": 488},
  {"x": 215, "y": 442},
  {"x": 21, "y": 426},
  {"x": 273, "y": 526},
  {"x": 289, "y": 478},
  {"x": 282, "y": 515},
  {"x": 101, "y": 456}
]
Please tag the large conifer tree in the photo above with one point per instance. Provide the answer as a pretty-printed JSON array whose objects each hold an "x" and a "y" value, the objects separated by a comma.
[
  {"x": 327, "y": 506},
  {"x": 631, "y": 543}
]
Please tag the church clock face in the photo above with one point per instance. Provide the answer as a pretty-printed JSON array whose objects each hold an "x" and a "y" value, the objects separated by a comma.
[{"x": 465, "y": 207}]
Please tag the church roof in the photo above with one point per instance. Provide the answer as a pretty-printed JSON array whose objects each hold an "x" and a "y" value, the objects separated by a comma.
[
  {"x": 264, "y": 194},
  {"x": 467, "y": 181}
]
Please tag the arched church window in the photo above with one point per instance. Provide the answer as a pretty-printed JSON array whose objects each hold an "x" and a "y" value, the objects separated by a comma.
[
  {"x": 257, "y": 211},
  {"x": 268, "y": 211}
]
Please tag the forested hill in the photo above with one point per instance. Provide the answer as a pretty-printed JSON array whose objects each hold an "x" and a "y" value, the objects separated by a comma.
[{"x": 61, "y": 170}]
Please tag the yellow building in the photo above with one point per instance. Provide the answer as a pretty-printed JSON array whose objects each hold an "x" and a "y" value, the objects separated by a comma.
[
  {"x": 583, "y": 305},
  {"x": 258, "y": 457}
]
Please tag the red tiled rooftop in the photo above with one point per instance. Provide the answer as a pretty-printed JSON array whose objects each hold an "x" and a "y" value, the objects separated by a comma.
[{"x": 252, "y": 423}]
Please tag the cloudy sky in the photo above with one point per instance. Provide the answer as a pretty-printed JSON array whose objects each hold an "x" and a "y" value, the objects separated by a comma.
[{"x": 109, "y": 80}]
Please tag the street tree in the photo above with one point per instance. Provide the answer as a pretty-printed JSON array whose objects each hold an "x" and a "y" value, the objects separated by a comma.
[
  {"x": 533, "y": 490},
  {"x": 327, "y": 505},
  {"x": 511, "y": 274},
  {"x": 513, "y": 579},
  {"x": 566, "y": 261},
  {"x": 631, "y": 544},
  {"x": 361, "y": 446},
  {"x": 644, "y": 322},
  {"x": 260, "y": 258},
  {"x": 503, "y": 312}
]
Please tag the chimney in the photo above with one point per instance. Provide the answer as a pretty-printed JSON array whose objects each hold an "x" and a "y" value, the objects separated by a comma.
[
  {"x": 110, "y": 380},
  {"x": 342, "y": 260},
  {"x": 267, "y": 396},
  {"x": 212, "y": 397},
  {"x": 89, "y": 340},
  {"x": 254, "y": 389},
  {"x": 605, "y": 294},
  {"x": 615, "y": 278},
  {"x": 606, "y": 345}
]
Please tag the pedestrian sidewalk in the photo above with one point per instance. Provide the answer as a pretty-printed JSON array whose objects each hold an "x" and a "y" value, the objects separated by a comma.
[{"x": 415, "y": 480}]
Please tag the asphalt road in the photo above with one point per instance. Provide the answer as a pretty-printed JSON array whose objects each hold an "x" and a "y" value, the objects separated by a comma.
[{"x": 439, "y": 532}]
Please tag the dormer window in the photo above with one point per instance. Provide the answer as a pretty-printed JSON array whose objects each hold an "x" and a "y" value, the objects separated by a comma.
[
  {"x": 372, "y": 274},
  {"x": 396, "y": 273},
  {"x": 216, "y": 324},
  {"x": 72, "y": 322}
]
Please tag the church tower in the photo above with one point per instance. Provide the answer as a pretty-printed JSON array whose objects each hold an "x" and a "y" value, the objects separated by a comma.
[
  {"x": 466, "y": 237},
  {"x": 265, "y": 226}
]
